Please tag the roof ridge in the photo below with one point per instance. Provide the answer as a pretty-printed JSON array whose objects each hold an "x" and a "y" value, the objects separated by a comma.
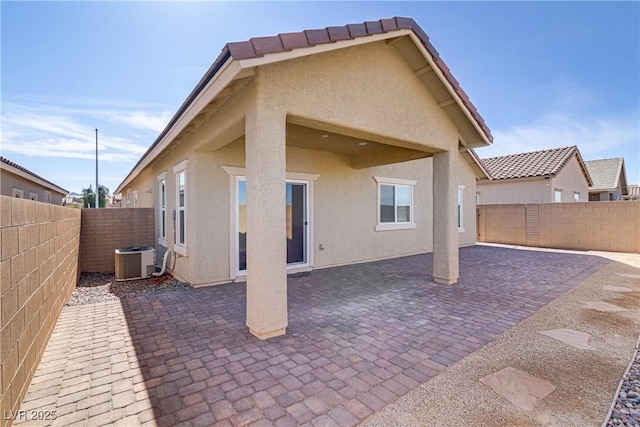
[{"x": 530, "y": 152}]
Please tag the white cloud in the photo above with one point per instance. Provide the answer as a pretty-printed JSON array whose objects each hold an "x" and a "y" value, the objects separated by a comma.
[
  {"x": 64, "y": 132},
  {"x": 143, "y": 120},
  {"x": 594, "y": 136}
]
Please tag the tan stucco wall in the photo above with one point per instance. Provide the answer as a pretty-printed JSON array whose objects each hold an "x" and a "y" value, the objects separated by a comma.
[
  {"x": 535, "y": 190},
  {"x": 571, "y": 180},
  {"x": 345, "y": 89},
  {"x": 9, "y": 181}
]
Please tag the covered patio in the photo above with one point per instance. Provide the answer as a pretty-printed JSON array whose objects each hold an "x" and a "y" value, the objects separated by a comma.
[{"x": 361, "y": 336}]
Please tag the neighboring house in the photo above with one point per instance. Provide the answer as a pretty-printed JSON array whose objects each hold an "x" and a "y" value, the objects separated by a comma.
[
  {"x": 73, "y": 199},
  {"x": 554, "y": 175},
  {"x": 314, "y": 149},
  {"x": 633, "y": 192},
  {"x": 609, "y": 179},
  {"x": 17, "y": 181}
]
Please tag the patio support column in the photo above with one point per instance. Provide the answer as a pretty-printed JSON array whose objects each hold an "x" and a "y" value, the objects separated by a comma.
[
  {"x": 445, "y": 218},
  {"x": 265, "y": 158}
]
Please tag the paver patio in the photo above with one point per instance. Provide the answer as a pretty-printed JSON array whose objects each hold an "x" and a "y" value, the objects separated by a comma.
[{"x": 359, "y": 337}]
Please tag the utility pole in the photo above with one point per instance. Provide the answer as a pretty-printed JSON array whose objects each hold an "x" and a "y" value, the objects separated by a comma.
[{"x": 97, "y": 188}]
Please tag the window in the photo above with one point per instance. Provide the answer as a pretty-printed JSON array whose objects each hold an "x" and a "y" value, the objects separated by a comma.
[
  {"x": 33, "y": 196},
  {"x": 128, "y": 197},
  {"x": 576, "y": 196},
  {"x": 135, "y": 198},
  {"x": 47, "y": 196},
  {"x": 162, "y": 203},
  {"x": 181, "y": 208},
  {"x": 557, "y": 196},
  {"x": 395, "y": 204},
  {"x": 18, "y": 194},
  {"x": 461, "y": 208}
]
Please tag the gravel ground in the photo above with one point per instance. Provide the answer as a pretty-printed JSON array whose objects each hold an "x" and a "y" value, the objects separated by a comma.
[
  {"x": 99, "y": 287},
  {"x": 626, "y": 411}
]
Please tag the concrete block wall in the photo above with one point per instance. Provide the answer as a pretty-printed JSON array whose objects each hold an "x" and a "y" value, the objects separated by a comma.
[
  {"x": 39, "y": 245},
  {"x": 502, "y": 224},
  {"x": 600, "y": 226},
  {"x": 105, "y": 230}
]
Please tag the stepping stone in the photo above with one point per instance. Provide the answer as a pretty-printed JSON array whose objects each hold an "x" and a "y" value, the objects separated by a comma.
[
  {"x": 518, "y": 387},
  {"x": 604, "y": 307},
  {"x": 633, "y": 276},
  {"x": 617, "y": 289},
  {"x": 572, "y": 337}
]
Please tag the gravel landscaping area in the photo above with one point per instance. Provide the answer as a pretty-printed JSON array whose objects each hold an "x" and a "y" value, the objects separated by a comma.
[
  {"x": 626, "y": 411},
  {"x": 99, "y": 287}
]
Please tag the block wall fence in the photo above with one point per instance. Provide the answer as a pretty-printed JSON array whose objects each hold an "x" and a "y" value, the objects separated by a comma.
[
  {"x": 598, "y": 226},
  {"x": 105, "y": 230},
  {"x": 38, "y": 271}
]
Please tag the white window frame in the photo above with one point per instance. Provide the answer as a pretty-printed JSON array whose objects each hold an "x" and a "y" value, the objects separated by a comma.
[
  {"x": 385, "y": 226},
  {"x": 239, "y": 174},
  {"x": 128, "y": 197},
  {"x": 162, "y": 208},
  {"x": 461, "y": 208},
  {"x": 181, "y": 248},
  {"x": 47, "y": 196},
  {"x": 576, "y": 196},
  {"x": 33, "y": 196},
  {"x": 135, "y": 198},
  {"x": 556, "y": 192},
  {"x": 18, "y": 193}
]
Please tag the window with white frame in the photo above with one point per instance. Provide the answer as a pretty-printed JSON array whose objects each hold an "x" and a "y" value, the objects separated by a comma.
[
  {"x": 576, "y": 196},
  {"x": 128, "y": 197},
  {"x": 47, "y": 196},
  {"x": 181, "y": 207},
  {"x": 557, "y": 196},
  {"x": 18, "y": 193},
  {"x": 162, "y": 204},
  {"x": 395, "y": 203},
  {"x": 460, "y": 208},
  {"x": 135, "y": 198},
  {"x": 33, "y": 196}
]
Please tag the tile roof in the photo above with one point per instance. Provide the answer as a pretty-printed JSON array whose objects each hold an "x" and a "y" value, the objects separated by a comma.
[
  {"x": 260, "y": 46},
  {"x": 27, "y": 171},
  {"x": 532, "y": 164},
  {"x": 605, "y": 173},
  {"x": 634, "y": 191}
]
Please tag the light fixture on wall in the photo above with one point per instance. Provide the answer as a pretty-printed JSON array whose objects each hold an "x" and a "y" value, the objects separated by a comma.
[{"x": 363, "y": 143}]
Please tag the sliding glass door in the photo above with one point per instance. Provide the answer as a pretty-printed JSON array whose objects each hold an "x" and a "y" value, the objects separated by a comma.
[{"x": 296, "y": 207}]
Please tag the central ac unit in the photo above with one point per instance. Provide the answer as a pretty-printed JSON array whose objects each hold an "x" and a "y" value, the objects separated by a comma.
[{"x": 135, "y": 262}]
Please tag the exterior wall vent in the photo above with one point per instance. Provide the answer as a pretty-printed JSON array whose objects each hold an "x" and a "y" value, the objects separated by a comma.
[{"x": 135, "y": 262}]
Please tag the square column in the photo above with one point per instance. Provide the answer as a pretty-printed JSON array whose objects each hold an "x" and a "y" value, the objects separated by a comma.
[
  {"x": 445, "y": 218},
  {"x": 265, "y": 157}
]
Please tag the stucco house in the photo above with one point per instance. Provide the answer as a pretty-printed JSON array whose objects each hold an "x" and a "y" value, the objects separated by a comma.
[
  {"x": 17, "y": 181},
  {"x": 314, "y": 149},
  {"x": 544, "y": 176},
  {"x": 609, "y": 179}
]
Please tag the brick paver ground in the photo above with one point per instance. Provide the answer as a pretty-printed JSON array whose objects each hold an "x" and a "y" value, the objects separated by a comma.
[{"x": 359, "y": 337}]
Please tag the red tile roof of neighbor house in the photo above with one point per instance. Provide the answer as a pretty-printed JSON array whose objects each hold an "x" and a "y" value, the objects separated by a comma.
[
  {"x": 536, "y": 163},
  {"x": 260, "y": 46},
  {"x": 27, "y": 171}
]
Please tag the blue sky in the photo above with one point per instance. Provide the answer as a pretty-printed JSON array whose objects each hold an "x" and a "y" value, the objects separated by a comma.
[{"x": 542, "y": 74}]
